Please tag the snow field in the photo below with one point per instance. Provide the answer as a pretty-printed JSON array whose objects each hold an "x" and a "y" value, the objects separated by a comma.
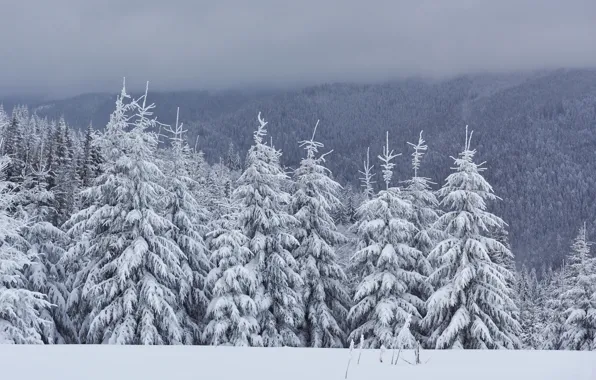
[{"x": 94, "y": 362}]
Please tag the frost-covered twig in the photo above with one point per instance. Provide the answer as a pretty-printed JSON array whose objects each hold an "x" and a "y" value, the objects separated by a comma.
[
  {"x": 398, "y": 354},
  {"x": 312, "y": 147},
  {"x": 387, "y": 165},
  {"x": 417, "y": 353},
  {"x": 367, "y": 176},
  {"x": 360, "y": 347},
  {"x": 261, "y": 130},
  {"x": 419, "y": 150},
  {"x": 393, "y": 358},
  {"x": 350, "y": 359},
  {"x": 177, "y": 131},
  {"x": 417, "y": 360}
]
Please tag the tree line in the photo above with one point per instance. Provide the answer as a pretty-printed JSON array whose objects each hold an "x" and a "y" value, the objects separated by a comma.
[{"x": 128, "y": 236}]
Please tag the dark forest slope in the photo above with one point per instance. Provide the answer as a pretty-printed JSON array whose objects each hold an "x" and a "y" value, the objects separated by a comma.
[{"x": 537, "y": 133}]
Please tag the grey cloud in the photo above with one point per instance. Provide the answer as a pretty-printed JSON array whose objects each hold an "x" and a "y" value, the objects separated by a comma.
[{"x": 80, "y": 46}]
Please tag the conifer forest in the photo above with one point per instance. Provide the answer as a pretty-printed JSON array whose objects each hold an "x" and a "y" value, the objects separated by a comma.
[{"x": 125, "y": 233}]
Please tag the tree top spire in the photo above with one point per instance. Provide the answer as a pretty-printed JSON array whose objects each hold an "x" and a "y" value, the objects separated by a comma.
[
  {"x": 419, "y": 150},
  {"x": 261, "y": 130},
  {"x": 386, "y": 158},
  {"x": 367, "y": 175}
]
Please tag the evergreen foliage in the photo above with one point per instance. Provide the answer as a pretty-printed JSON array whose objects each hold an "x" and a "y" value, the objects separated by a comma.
[
  {"x": 266, "y": 222},
  {"x": 326, "y": 300},
  {"x": 472, "y": 304},
  {"x": 385, "y": 262},
  {"x": 132, "y": 282}
]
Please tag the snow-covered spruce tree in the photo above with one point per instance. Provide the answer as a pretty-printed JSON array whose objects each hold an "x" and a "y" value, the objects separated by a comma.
[
  {"x": 219, "y": 189},
  {"x": 367, "y": 183},
  {"x": 46, "y": 247},
  {"x": 21, "y": 309},
  {"x": 351, "y": 200},
  {"x": 266, "y": 222},
  {"x": 188, "y": 220},
  {"x": 199, "y": 167},
  {"x": 13, "y": 147},
  {"x": 90, "y": 163},
  {"x": 555, "y": 311},
  {"x": 63, "y": 171},
  {"x": 324, "y": 294},
  {"x": 471, "y": 307},
  {"x": 386, "y": 263},
  {"x": 505, "y": 259},
  {"x": 529, "y": 298},
  {"x": 4, "y": 119},
  {"x": 346, "y": 215},
  {"x": 426, "y": 205},
  {"x": 425, "y": 213},
  {"x": 579, "y": 329},
  {"x": 131, "y": 283},
  {"x": 232, "y": 160},
  {"x": 198, "y": 172},
  {"x": 232, "y": 312}
]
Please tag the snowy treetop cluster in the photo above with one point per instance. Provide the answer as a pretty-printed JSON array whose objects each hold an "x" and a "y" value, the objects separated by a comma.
[{"x": 128, "y": 236}]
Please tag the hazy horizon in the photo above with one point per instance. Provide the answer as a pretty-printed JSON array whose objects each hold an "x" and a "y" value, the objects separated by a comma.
[
  {"x": 138, "y": 86},
  {"x": 68, "y": 47}
]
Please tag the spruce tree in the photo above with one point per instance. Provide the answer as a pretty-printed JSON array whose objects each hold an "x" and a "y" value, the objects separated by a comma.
[
  {"x": 188, "y": 220},
  {"x": 385, "y": 262},
  {"x": 219, "y": 188},
  {"x": 63, "y": 171},
  {"x": 325, "y": 297},
  {"x": 471, "y": 306},
  {"x": 13, "y": 147},
  {"x": 579, "y": 328},
  {"x": 425, "y": 213},
  {"x": 232, "y": 160},
  {"x": 346, "y": 213},
  {"x": 265, "y": 221},
  {"x": 90, "y": 163},
  {"x": 131, "y": 282},
  {"x": 419, "y": 192},
  {"x": 21, "y": 309},
  {"x": 529, "y": 297},
  {"x": 4, "y": 119},
  {"x": 46, "y": 246},
  {"x": 555, "y": 311},
  {"x": 232, "y": 283}
]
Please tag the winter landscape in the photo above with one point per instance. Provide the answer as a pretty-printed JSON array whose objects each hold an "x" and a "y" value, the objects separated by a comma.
[{"x": 250, "y": 213}]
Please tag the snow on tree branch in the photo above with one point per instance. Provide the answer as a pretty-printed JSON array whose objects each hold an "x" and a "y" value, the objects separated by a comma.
[
  {"x": 367, "y": 176},
  {"x": 419, "y": 150},
  {"x": 386, "y": 158}
]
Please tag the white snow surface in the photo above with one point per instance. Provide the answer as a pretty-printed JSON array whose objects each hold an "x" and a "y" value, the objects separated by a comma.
[{"x": 94, "y": 362}]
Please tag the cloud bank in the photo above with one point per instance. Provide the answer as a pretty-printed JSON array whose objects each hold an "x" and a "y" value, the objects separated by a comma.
[{"x": 74, "y": 46}]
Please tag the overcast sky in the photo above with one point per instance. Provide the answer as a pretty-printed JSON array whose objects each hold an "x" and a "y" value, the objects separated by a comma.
[{"x": 73, "y": 46}]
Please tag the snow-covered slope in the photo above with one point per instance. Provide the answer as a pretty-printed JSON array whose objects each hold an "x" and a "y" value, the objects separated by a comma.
[{"x": 211, "y": 363}]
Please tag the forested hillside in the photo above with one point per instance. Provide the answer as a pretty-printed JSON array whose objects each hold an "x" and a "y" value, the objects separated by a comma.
[
  {"x": 537, "y": 133},
  {"x": 129, "y": 236}
]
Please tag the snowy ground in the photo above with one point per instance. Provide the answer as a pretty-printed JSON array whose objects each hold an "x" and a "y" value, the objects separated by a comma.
[{"x": 211, "y": 363}]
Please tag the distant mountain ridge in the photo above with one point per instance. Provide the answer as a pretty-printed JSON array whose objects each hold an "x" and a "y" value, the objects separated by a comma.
[{"x": 536, "y": 131}]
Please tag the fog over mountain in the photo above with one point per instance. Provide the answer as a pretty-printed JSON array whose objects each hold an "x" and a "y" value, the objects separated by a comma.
[{"x": 65, "y": 47}]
